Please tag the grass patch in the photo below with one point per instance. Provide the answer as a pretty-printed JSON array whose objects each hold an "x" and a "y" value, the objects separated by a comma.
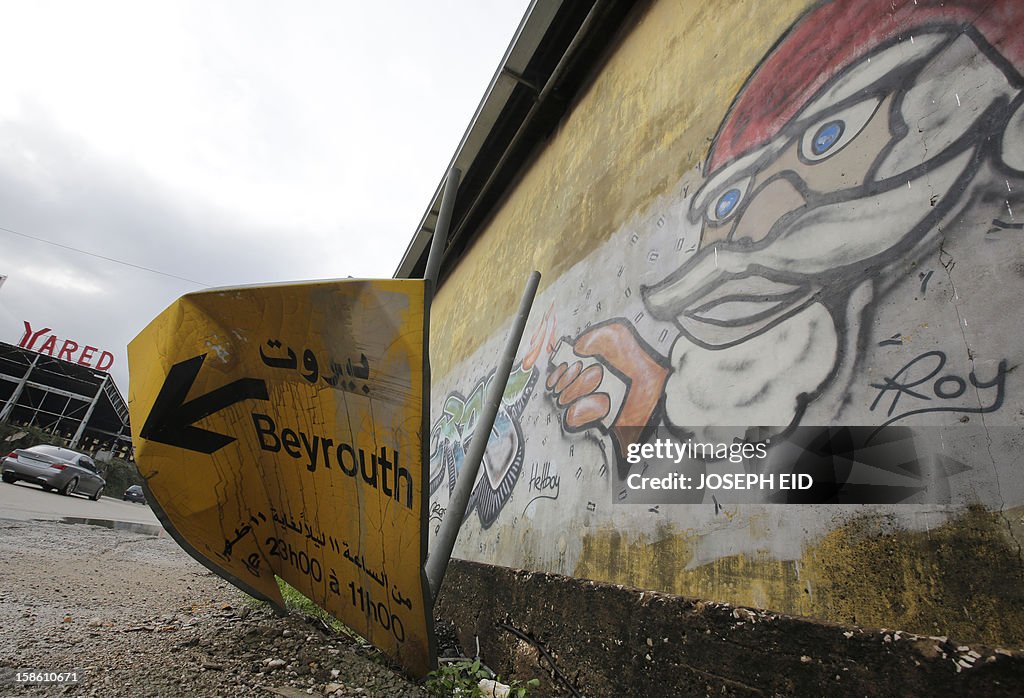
[{"x": 295, "y": 600}]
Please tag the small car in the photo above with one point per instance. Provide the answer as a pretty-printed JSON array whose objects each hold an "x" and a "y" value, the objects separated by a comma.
[
  {"x": 134, "y": 494},
  {"x": 54, "y": 468}
]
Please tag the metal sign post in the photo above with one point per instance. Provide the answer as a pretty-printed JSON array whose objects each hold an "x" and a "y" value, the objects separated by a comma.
[
  {"x": 437, "y": 562},
  {"x": 444, "y": 219}
]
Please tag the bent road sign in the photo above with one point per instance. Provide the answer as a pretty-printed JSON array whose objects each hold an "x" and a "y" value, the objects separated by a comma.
[{"x": 280, "y": 432}]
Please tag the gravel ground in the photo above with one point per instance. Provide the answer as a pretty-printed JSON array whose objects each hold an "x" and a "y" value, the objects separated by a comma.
[{"x": 136, "y": 616}]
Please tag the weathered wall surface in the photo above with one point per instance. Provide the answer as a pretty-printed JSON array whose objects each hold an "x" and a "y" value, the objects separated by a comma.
[
  {"x": 585, "y": 638},
  {"x": 764, "y": 215}
]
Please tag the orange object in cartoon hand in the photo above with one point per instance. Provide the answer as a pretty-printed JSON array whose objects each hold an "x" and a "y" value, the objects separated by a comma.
[{"x": 609, "y": 379}]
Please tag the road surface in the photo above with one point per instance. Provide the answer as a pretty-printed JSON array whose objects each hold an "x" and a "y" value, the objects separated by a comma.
[{"x": 24, "y": 502}]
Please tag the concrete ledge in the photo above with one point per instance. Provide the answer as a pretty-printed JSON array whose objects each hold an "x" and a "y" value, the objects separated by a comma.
[{"x": 586, "y": 638}]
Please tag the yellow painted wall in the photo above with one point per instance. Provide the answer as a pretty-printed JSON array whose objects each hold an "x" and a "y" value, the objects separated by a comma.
[{"x": 648, "y": 117}]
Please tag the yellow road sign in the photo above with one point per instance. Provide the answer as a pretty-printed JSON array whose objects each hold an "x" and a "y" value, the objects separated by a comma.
[{"x": 280, "y": 432}]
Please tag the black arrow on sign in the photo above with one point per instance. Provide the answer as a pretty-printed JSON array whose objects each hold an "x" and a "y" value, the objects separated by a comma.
[{"x": 170, "y": 421}]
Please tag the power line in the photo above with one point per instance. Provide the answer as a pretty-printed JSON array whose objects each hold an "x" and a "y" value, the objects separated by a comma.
[{"x": 109, "y": 259}]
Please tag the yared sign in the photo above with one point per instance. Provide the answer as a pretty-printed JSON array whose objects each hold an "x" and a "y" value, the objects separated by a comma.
[
  {"x": 69, "y": 350},
  {"x": 280, "y": 432}
]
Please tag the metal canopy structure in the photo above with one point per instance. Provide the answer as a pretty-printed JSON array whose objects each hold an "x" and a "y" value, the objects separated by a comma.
[
  {"x": 558, "y": 46},
  {"x": 77, "y": 402}
]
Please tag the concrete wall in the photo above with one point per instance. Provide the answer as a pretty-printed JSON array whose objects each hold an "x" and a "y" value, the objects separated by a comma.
[
  {"x": 769, "y": 215},
  {"x": 586, "y": 638}
]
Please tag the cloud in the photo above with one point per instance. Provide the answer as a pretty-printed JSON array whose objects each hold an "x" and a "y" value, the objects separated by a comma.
[
  {"x": 76, "y": 198},
  {"x": 61, "y": 279},
  {"x": 222, "y": 144}
]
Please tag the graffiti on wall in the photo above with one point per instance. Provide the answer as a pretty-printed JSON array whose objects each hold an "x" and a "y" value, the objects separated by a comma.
[
  {"x": 872, "y": 137},
  {"x": 454, "y": 429},
  {"x": 923, "y": 385},
  {"x": 838, "y": 163}
]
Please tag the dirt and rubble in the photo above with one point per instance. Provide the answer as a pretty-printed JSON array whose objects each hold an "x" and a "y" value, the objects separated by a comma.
[{"x": 134, "y": 615}]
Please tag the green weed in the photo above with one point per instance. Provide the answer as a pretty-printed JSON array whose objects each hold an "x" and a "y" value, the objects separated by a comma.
[{"x": 462, "y": 679}]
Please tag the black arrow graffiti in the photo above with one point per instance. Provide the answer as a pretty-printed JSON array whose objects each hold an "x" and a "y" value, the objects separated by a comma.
[{"x": 170, "y": 421}]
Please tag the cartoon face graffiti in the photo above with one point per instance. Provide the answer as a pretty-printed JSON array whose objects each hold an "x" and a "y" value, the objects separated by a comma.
[{"x": 849, "y": 152}]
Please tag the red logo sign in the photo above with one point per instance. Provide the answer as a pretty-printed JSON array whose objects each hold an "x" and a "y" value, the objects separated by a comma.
[{"x": 70, "y": 350}]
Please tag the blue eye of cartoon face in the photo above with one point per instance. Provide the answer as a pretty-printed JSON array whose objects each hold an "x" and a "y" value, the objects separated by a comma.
[
  {"x": 835, "y": 130},
  {"x": 727, "y": 203},
  {"x": 723, "y": 198},
  {"x": 827, "y": 136}
]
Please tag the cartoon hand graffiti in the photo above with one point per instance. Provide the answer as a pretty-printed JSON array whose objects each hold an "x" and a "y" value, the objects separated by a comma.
[
  {"x": 609, "y": 379},
  {"x": 853, "y": 148}
]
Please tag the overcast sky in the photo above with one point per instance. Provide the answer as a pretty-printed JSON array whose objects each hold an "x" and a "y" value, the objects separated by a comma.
[{"x": 225, "y": 143}]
